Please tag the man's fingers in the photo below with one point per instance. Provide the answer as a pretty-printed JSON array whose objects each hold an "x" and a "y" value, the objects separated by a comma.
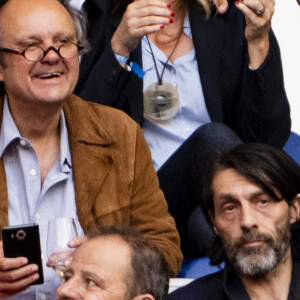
[
  {"x": 7, "y": 264},
  {"x": 17, "y": 274},
  {"x": 8, "y": 289},
  {"x": 76, "y": 242}
]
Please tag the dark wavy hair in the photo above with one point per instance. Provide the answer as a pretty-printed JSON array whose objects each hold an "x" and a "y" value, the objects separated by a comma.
[{"x": 274, "y": 171}]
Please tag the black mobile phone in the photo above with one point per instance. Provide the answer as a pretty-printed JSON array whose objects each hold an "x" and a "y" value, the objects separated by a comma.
[{"x": 24, "y": 240}]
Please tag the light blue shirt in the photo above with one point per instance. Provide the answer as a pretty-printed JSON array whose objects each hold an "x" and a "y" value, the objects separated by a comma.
[
  {"x": 31, "y": 202},
  {"x": 165, "y": 137}
]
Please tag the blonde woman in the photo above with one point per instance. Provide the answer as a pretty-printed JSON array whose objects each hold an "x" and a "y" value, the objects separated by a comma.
[{"x": 196, "y": 80}]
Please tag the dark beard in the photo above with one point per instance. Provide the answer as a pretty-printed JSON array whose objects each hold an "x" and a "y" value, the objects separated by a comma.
[{"x": 257, "y": 261}]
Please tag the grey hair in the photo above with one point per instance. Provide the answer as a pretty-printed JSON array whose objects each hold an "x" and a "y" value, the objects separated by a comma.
[
  {"x": 80, "y": 24},
  {"x": 149, "y": 272}
]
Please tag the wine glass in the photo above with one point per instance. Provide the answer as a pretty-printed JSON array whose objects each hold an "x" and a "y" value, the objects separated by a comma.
[{"x": 60, "y": 232}]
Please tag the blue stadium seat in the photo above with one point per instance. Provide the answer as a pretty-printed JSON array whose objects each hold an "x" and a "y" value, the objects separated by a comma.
[{"x": 292, "y": 147}]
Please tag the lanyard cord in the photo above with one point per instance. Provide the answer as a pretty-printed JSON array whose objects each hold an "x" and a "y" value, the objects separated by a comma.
[{"x": 159, "y": 77}]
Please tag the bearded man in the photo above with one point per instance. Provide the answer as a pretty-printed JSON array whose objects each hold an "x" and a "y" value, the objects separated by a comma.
[{"x": 251, "y": 199}]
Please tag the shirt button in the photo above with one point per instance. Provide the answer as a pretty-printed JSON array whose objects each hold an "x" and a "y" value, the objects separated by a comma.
[
  {"x": 37, "y": 216},
  {"x": 22, "y": 142},
  {"x": 32, "y": 172},
  {"x": 43, "y": 297}
]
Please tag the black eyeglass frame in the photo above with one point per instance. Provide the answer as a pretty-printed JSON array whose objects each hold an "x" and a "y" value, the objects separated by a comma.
[{"x": 45, "y": 52}]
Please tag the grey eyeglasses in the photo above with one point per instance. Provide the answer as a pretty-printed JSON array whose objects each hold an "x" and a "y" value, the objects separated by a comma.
[{"x": 35, "y": 53}]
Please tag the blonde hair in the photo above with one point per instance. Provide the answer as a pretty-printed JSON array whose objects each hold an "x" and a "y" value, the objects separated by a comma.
[
  {"x": 182, "y": 5},
  {"x": 207, "y": 7}
]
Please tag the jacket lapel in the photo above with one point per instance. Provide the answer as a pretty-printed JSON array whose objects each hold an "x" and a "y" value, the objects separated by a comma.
[
  {"x": 3, "y": 183},
  {"x": 207, "y": 38},
  {"x": 92, "y": 157}
]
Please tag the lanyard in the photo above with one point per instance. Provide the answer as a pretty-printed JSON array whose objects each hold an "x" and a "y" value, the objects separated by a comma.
[{"x": 160, "y": 77}]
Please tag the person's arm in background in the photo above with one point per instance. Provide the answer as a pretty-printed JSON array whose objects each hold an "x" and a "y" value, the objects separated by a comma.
[
  {"x": 107, "y": 79},
  {"x": 266, "y": 116},
  {"x": 262, "y": 113}
]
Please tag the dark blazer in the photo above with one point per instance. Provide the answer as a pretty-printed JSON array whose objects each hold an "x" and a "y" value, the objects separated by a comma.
[
  {"x": 252, "y": 103},
  {"x": 226, "y": 285}
]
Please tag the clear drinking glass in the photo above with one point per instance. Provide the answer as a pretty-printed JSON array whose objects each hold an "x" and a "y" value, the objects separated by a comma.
[{"x": 60, "y": 232}]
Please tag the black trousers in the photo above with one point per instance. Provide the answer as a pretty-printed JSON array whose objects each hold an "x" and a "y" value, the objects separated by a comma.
[{"x": 180, "y": 180}]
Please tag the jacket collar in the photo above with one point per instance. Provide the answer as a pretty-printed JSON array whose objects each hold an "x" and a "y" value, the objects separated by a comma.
[
  {"x": 92, "y": 152},
  {"x": 81, "y": 118},
  {"x": 92, "y": 158}
]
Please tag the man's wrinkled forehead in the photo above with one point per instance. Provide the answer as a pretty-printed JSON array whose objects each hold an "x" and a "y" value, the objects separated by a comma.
[{"x": 14, "y": 15}]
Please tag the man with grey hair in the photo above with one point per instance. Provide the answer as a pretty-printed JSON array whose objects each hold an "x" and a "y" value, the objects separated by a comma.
[
  {"x": 60, "y": 155},
  {"x": 116, "y": 263}
]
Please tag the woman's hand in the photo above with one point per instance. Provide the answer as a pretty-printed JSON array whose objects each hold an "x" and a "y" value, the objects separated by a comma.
[
  {"x": 222, "y": 6},
  {"x": 258, "y": 14},
  {"x": 141, "y": 17}
]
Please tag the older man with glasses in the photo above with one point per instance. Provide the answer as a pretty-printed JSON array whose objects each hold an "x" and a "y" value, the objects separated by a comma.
[{"x": 61, "y": 156}]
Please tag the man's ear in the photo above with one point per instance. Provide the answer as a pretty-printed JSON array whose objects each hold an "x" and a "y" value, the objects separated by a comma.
[
  {"x": 213, "y": 221},
  {"x": 295, "y": 209},
  {"x": 144, "y": 297}
]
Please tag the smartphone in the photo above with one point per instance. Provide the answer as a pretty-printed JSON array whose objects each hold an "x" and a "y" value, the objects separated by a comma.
[{"x": 24, "y": 240}]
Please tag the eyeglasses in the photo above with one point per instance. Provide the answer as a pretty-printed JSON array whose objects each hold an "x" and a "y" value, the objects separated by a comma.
[{"x": 35, "y": 53}]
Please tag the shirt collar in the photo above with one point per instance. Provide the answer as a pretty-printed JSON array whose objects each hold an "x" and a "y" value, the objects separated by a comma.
[{"x": 10, "y": 132}]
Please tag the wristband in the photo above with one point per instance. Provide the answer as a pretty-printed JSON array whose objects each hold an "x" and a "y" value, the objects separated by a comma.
[
  {"x": 121, "y": 59},
  {"x": 130, "y": 65}
]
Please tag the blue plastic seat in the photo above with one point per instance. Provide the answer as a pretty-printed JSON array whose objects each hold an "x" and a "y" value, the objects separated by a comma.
[{"x": 292, "y": 147}]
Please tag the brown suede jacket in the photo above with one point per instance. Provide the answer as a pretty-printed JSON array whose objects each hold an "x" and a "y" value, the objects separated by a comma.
[{"x": 114, "y": 179}]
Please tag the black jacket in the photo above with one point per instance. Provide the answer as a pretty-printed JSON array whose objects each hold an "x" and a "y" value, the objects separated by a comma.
[
  {"x": 252, "y": 103},
  {"x": 225, "y": 285}
]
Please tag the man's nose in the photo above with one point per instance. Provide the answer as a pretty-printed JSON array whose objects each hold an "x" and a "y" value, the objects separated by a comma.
[
  {"x": 69, "y": 290},
  {"x": 51, "y": 54},
  {"x": 248, "y": 218}
]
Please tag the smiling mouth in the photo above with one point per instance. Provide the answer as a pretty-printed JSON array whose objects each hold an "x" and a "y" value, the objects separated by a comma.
[{"x": 49, "y": 75}]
